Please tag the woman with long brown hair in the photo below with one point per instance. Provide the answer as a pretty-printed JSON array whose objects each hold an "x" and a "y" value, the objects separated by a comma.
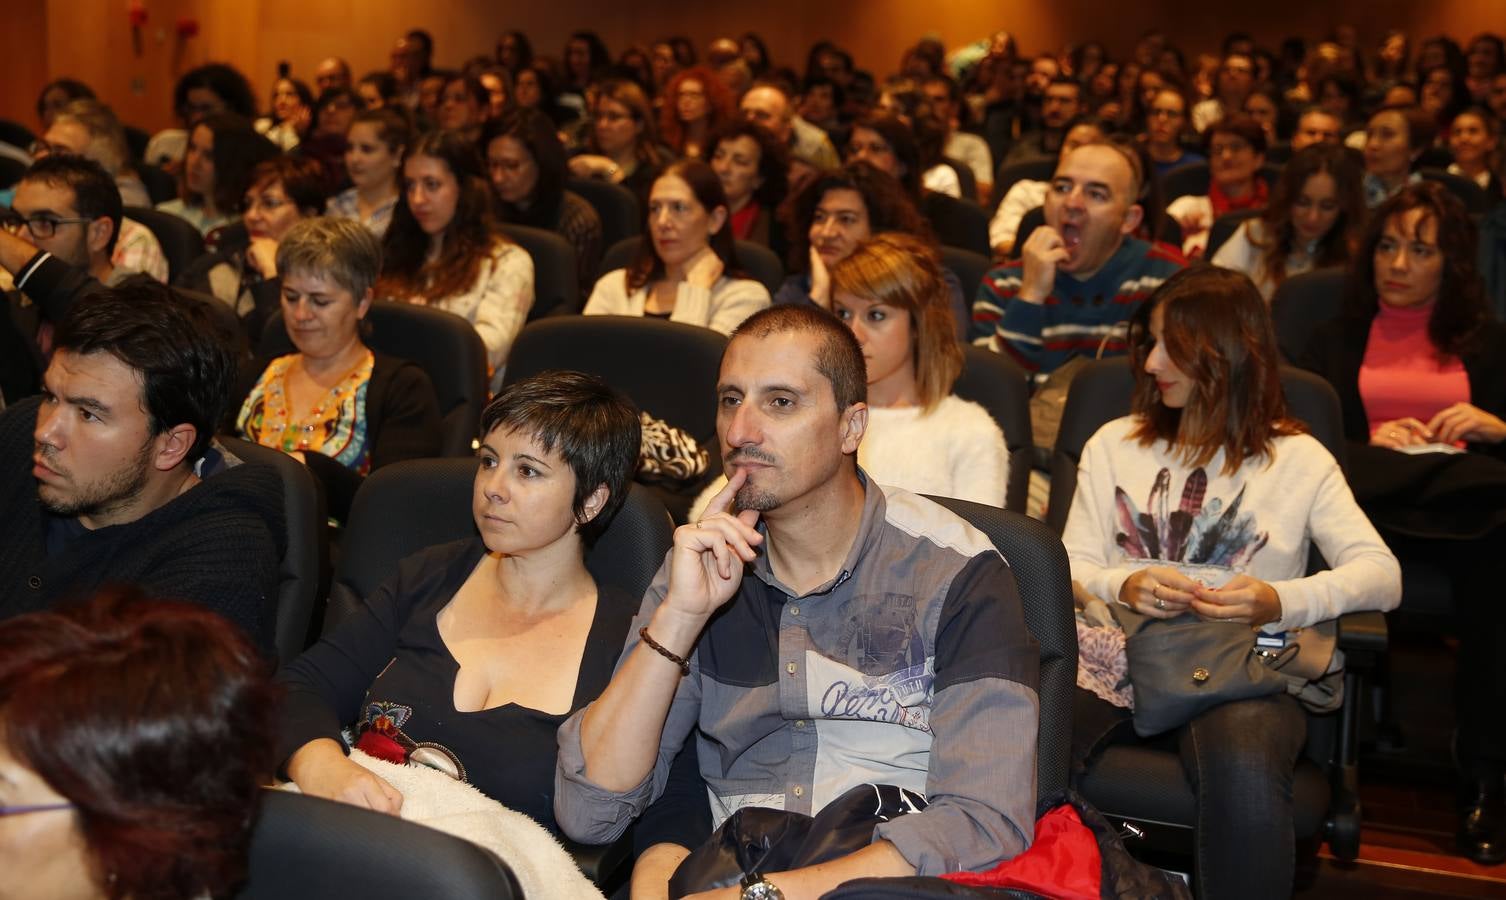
[
  {"x": 1234, "y": 492},
  {"x": 1420, "y": 369},
  {"x": 623, "y": 146},
  {"x": 1316, "y": 212},
  {"x": 686, "y": 269},
  {"x": 444, "y": 248}
]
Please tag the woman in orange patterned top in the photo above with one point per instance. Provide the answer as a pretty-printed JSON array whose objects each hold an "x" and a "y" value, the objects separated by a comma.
[{"x": 335, "y": 405}]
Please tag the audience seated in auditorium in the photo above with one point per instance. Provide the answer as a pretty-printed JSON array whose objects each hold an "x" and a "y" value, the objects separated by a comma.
[
  {"x": 1028, "y": 193},
  {"x": 1234, "y": 80},
  {"x": 695, "y": 103},
  {"x": 334, "y": 404},
  {"x": 1044, "y": 309},
  {"x": 222, "y": 151},
  {"x": 110, "y": 476},
  {"x": 292, "y": 114},
  {"x": 769, "y": 104},
  {"x": 1060, "y": 103},
  {"x": 464, "y": 103},
  {"x": 1166, "y": 123},
  {"x": 378, "y": 90},
  {"x": 1317, "y": 126},
  {"x": 753, "y": 167},
  {"x": 1394, "y": 140},
  {"x": 109, "y": 711},
  {"x": 56, "y": 248},
  {"x": 792, "y": 390},
  {"x": 1418, "y": 365},
  {"x": 210, "y": 89},
  {"x": 443, "y": 248},
  {"x": 241, "y": 271},
  {"x": 945, "y": 97},
  {"x": 623, "y": 144},
  {"x": 686, "y": 269},
  {"x": 1473, "y": 139},
  {"x": 1236, "y": 147},
  {"x": 89, "y": 129},
  {"x": 376, "y": 143},
  {"x": 1316, "y": 212},
  {"x": 469, "y": 658},
  {"x": 1209, "y": 425},
  {"x": 332, "y": 74},
  {"x": 527, "y": 165}
]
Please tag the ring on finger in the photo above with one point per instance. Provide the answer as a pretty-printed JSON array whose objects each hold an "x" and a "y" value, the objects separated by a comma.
[{"x": 1160, "y": 604}]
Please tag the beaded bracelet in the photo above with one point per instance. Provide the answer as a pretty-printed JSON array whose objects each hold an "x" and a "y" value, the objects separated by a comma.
[{"x": 665, "y": 652}]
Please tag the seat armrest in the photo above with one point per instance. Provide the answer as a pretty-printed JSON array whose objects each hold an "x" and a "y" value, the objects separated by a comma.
[
  {"x": 602, "y": 863},
  {"x": 1362, "y": 636}
]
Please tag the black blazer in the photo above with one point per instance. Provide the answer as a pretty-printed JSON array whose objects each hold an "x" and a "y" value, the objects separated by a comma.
[{"x": 1337, "y": 349}]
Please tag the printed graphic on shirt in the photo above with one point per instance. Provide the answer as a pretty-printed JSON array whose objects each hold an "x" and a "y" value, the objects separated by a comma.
[
  {"x": 1197, "y": 532},
  {"x": 881, "y": 635},
  {"x": 898, "y": 697},
  {"x": 380, "y": 734}
]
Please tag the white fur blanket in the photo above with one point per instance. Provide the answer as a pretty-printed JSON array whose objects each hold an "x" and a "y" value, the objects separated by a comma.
[{"x": 434, "y": 799}]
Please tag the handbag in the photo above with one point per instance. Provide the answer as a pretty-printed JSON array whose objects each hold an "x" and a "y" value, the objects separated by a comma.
[{"x": 1183, "y": 666}]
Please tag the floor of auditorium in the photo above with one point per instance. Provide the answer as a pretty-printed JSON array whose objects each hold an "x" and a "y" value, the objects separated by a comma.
[{"x": 1407, "y": 792}]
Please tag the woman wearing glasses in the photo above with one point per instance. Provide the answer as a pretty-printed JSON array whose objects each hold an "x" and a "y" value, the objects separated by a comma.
[{"x": 623, "y": 147}]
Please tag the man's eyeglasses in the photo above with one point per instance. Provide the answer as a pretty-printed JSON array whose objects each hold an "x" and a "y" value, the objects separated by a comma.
[
  {"x": 32, "y": 808},
  {"x": 41, "y": 226},
  {"x": 41, "y": 149}
]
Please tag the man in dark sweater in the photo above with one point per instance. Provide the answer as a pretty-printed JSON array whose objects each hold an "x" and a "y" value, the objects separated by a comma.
[
  {"x": 1082, "y": 274},
  {"x": 106, "y": 477}
]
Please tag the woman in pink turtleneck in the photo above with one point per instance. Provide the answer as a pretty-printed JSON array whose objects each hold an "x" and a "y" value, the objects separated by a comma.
[{"x": 1420, "y": 369}]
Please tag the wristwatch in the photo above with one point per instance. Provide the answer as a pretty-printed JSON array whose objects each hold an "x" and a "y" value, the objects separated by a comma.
[{"x": 756, "y": 887}]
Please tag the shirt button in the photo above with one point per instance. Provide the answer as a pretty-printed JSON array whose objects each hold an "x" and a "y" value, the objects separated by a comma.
[
  {"x": 794, "y": 610},
  {"x": 34, "y": 582},
  {"x": 799, "y": 723},
  {"x": 799, "y": 791},
  {"x": 788, "y": 667}
]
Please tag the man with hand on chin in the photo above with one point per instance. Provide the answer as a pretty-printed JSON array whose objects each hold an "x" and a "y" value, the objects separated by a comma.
[
  {"x": 1082, "y": 274},
  {"x": 812, "y": 633}
]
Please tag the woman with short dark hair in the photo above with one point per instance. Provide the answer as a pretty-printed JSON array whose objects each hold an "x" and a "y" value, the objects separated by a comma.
[
  {"x": 473, "y": 654},
  {"x": 754, "y": 169},
  {"x": 222, "y": 151}
]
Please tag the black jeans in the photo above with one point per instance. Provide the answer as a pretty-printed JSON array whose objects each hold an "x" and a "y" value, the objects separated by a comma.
[{"x": 1239, "y": 759}]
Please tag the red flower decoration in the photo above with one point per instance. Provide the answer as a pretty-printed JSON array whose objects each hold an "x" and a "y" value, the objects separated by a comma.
[{"x": 188, "y": 27}]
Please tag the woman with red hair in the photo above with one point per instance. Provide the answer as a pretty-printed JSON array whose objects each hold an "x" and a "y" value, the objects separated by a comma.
[
  {"x": 695, "y": 102},
  {"x": 135, "y": 736}
]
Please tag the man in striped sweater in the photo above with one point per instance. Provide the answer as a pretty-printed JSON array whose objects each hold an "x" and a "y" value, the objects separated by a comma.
[{"x": 1081, "y": 275}]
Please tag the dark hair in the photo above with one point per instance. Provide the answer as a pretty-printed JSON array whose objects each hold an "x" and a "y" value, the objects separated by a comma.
[
  {"x": 1069, "y": 81},
  {"x": 473, "y": 86},
  {"x": 1242, "y": 126},
  {"x": 237, "y": 150},
  {"x": 1286, "y": 116},
  {"x": 305, "y": 96},
  {"x": 773, "y": 158},
  {"x": 889, "y": 207},
  {"x": 1461, "y": 309},
  {"x": 901, "y": 140},
  {"x": 302, "y": 180},
  {"x": 469, "y": 239},
  {"x": 597, "y": 53},
  {"x": 72, "y": 88},
  {"x": 1278, "y": 237},
  {"x": 1218, "y": 332},
  {"x": 1346, "y": 85},
  {"x": 629, "y": 94},
  {"x": 1459, "y": 94},
  {"x": 839, "y": 358},
  {"x": 811, "y": 82},
  {"x": 592, "y": 427},
  {"x": 548, "y": 80},
  {"x": 226, "y": 82},
  {"x": 156, "y": 721},
  {"x": 525, "y": 49},
  {"x": 95, "y": 195},
  {"x": 752, "y": 37},
  {"x": 536, "y": 132},
  {"x": 186, "y": 367},
  {"x": 707, "y": 188},
  {"x": 385, "y": 84},
  {"x": 393, "y": 126},
  {"x": 426, "y": 40}
]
